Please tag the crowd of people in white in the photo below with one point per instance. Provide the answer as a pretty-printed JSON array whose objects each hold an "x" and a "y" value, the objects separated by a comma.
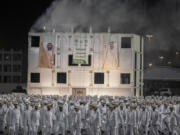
[{"x": 105, "y": 115}]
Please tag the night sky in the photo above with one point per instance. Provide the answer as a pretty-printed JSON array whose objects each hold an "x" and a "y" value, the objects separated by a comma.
[{"x": 17, "y": 17}]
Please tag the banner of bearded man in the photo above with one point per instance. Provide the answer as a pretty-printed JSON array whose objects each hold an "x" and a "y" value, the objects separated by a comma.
[{"x": 110, "y": 53}]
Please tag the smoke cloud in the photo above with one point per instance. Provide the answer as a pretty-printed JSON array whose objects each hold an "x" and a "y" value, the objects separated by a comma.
[
  {"x": 159, "y": 18},
  {"x": 80, "y": 14}
]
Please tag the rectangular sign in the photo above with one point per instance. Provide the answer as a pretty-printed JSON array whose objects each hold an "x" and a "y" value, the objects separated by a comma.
[{"x": 80, "y": 54}]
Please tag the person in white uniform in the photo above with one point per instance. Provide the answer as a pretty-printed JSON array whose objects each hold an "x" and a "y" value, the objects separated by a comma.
[
  {"x": 15, "y": 120},
  {"x": 26, "y": 120},
  {"x": 35, "y": 120},
  {"x": 131, "y": 122},
  {"x": 112, "y": 121},
  {"x": 49, "y": 119},
  {"x": 60, "y": 122},
  {"x": 121, "y": 120},
  {"x": 154, "y": 123},
  {"x": 143, "y": 121}
]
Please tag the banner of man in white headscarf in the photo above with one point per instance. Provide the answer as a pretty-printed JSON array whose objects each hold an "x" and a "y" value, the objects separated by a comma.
[
  {"x": 110, "y": 53},
  {"x": 46, "y": 52}
]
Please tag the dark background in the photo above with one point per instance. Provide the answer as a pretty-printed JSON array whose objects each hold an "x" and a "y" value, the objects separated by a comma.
[{"x": 17, "y": 17}]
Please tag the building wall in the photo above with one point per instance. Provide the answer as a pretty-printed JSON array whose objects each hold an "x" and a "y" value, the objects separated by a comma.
[
  {"x": 11, "y": 69},
  {"x": 83, "y": 77}
]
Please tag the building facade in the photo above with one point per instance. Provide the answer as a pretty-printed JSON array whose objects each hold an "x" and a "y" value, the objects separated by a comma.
[
  {"x": 112, "y": 64},
  {"x": 12, "y": 71},
  {"x": 161, "y": 77}
]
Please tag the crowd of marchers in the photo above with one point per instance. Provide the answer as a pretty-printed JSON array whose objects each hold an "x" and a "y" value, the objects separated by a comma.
[{"x": 89, "y": 115}]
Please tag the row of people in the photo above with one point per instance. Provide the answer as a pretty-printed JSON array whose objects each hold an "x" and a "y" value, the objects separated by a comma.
[{"x": 30, "y": 115}]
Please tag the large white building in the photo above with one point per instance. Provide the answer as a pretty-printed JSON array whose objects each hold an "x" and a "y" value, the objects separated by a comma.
[{"x": 111, "y": 64}]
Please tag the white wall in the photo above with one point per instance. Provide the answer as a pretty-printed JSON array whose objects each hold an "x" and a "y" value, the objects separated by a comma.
[{"x": 80, "y": 76}]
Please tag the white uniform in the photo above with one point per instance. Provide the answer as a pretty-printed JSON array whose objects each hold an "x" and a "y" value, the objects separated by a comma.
[
  {"x": 131, "y": 123},
  {"x": 143, "y": 122},
  {"x": 35, "y": 121},
  {"x": 65, "y": 108},
  {"x": 2, "y": 120},
  {"x": 83, "y": 110},
  {"x": 94, "y": 122},
  {"x": 135, "y": 122},
  {"x": 171, "y": 122},
  {"x": 22, "y": 107},
  {"x": 121, "y": 121},
  {"x": 43, "y": 109},
  {"x": 60, "y": 123},
  {"x": 15, "y": 121},
  {"x": 154, "y": 123},
  {"x": 7, "y": 118},
  {"x": 177, "y": 109},
  {"x": 26, "y": 122},
  {"x": 49, "y": 118},
  {"x": 76, "y": 124},
  {"x": 112, "y": 122},
  {"x": 103, "y": 111}
]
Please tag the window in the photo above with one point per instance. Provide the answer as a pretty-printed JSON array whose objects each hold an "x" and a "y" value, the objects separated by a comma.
[
  {"x": 7, "y": 79},
  {"x": 135, "y": 60},
  {"x": 70, "y": 61},
  {"x": 141, "y": 57},
  {"x": 7, "y": 57},
  {"x": 16, "y": 79},
  {"x": 125, "y": 78},
  {"x": 16, "y": 57},
  {"x": 35, "y": 77},
  {"x": 135, "y": 80},
  {"x": 16, "y": 68},
  {"x": 7, "y": 68},
  {"x": 89, "y": 61},
  {"x": 99, "y": 78},
  {"x": 35, "y": 40},
  {"x": 125, "y": 42},
  {"x": 61, "y": 77}
]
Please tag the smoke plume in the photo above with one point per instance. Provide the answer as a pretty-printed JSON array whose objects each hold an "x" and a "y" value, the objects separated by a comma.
[
  {"x": 100, "y": 14},
  {"x": 159, "y": 18}
]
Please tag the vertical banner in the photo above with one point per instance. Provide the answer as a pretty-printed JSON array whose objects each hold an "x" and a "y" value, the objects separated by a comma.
[
  {"x": 58, "y": 51},
  {"x": 80, "y": 53},
  {"x": 47, "y": 51},
  {"x": 45, "y": 58},
  {"x": 50, "y": 49},
  {"x": 110, "y": 53}
]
